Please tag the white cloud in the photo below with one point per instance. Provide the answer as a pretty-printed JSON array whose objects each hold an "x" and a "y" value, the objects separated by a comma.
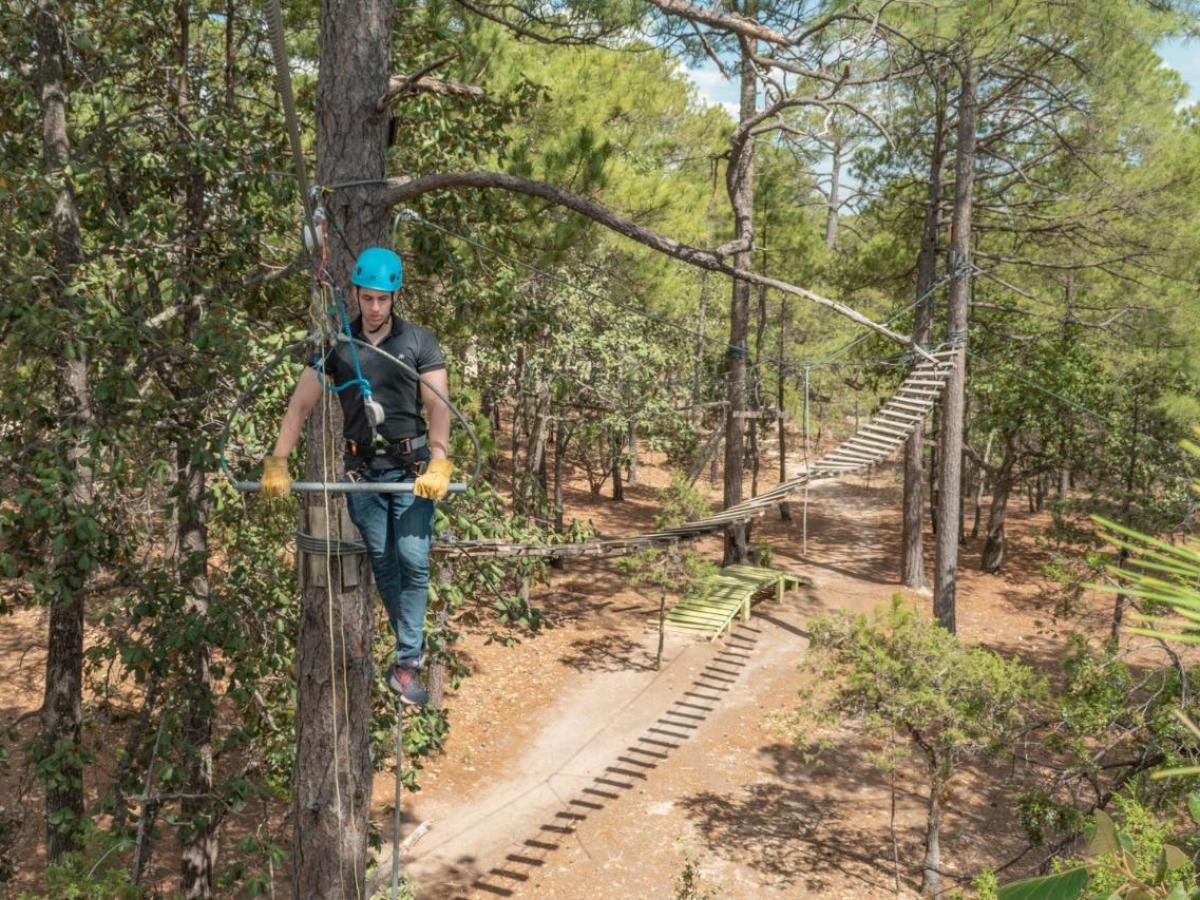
[
  {"x": 1183, "y": 55},
  {"x": 714, "y": 89}
]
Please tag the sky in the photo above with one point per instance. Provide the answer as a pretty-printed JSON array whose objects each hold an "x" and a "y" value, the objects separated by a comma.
[{"x": 1182, "y": 55}]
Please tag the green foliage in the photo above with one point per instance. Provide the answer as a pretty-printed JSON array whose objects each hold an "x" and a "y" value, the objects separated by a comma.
[
  {"x": 914, "y": 688},
  {"x": 94, "y": 873},
  {"x": 1066, "y": 885},
  {"x": 897, "y": 673},
  {"x": 679, "y": 502},
  {"x": 1134, "y": 861},
  {"x": 688, "y": 885},
  {"x": 173, "y": 316},
  {"x": 668, "y": 569},
  {"x": 1163, "y": 576}
]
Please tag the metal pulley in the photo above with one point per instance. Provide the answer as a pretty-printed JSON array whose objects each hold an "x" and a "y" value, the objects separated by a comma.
[
  {"x": 374, "y": 412},
  {"x": 314, "y": 235}
]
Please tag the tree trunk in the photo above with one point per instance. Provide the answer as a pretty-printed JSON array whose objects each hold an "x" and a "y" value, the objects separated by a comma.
[
  {"x": 981, "y": 484},
  {"x": 912, "y": 558},
  {"x": 698, "y": 371},
  {"x": 632, "y": 472},
  {"x": 531, "y": 503},
  {"x": 1121, "y": 602},
  {"x": 739, "y": 180},
  {"x": 993, "y": 547},
  {"x": 835, "y": 200},
  {"x": 931, "y": 879},
  {"x": 230, "y": 55},
  {"x": 949, "y": 505},
  {"x": 560, "y": 449},
  {"x": 785, "y": 511},
  {"x": 62, "y": 704},
  {"x": 1122, "y": 599},
  {"x": 197, "y": 827},
  {"x": 198, "y": 834},
  {"x": 760, "y": 327},
  {"x": 332, "y": 784},
  {"x": 615, "y": 443},
  {"x": 965, "y": 476},
  {"x": 933, "y": 472}
]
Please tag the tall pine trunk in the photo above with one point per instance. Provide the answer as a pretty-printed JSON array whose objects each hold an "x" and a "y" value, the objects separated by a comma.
[
  {"x": 332, "y": 784},
  {"x": 993, "y": 546},
  {"x": 954, "y": 400},
  {"x": 62, "y": 705},
  {"x": 198, "y": 821},
  {"x": 785, "y": 511},
  {"x": 740, "y": 186},
  {"x": 912, "y": 566},
  {"x": 835, "y": 200}
]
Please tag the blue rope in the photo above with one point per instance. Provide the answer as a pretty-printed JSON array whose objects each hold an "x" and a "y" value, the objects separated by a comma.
[{"x": 362, "y": 383}]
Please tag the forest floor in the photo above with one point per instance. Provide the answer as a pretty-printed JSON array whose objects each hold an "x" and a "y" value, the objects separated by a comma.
[{"x": 574, "y": 769}]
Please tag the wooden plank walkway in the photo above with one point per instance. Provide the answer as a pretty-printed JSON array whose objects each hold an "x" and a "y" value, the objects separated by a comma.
[{"x": 729, "y": 595}]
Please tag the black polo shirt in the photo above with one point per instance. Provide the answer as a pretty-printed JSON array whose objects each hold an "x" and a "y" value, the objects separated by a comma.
[{"x": 396, "y": 389}]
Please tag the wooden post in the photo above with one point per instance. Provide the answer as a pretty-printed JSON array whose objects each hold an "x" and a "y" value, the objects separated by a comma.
[
  {"x": 399, "y": 795},
  {"x": 662, "y": 615},
  {"x": 804, "y": 547}
]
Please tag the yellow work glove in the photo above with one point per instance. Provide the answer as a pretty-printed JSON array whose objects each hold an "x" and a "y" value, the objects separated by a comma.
[
  {"x": 276, "y": 482},
  {"x": 436, "y": 480}
]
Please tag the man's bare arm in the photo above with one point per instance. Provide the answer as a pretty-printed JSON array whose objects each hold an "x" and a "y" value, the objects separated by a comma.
[
  {"x": 304, "y": 398},
  {"x": 439, "y": 412}
]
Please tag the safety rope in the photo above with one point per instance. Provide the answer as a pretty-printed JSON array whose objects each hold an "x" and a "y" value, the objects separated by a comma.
[
  {"x": 326, "y": 423},
  {"x": 399, "y": 796}
]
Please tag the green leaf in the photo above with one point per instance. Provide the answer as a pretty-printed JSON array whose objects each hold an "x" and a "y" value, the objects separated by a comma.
[
  {"x": 1104, "y": 840},
  {"x": 1066, "y": 885},
  {"x": 1181, "y": 772},
  {"x": 1173, "y": 858},
  {"x": 1194, "y": 807}
]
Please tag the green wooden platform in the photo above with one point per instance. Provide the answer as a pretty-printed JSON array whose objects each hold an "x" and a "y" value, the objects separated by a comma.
[{"x": 730, "y": 594}]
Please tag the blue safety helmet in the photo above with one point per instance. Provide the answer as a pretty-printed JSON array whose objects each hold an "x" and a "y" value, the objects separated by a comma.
[{"x": 378, "y": 269}]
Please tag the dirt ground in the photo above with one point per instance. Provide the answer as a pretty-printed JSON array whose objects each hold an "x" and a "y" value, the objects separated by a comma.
[{"x": 575, "y": 769}]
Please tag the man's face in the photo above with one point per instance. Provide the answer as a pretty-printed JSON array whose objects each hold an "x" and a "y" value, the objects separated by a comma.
[{"x": 376, "y": 307}]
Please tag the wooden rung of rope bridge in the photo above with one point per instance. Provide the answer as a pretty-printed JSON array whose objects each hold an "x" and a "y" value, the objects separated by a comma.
[{"x": 874, "y": 442}]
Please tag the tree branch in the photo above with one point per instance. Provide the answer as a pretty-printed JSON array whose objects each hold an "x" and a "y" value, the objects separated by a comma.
[
  {"x": 732, "y": 23},
  {"x": 404, "y": 188},
  {"x": 423, "y": 82}
]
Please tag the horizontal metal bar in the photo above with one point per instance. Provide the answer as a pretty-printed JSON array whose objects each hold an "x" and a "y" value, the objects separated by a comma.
[{"x": 346, "y": 487}]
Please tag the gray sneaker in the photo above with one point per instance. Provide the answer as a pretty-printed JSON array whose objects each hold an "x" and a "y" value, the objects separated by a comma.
[{"x": 404, "y": 678}]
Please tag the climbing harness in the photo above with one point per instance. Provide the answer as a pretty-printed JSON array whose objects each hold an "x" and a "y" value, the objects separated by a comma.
[{"x": 313, "y": 344}]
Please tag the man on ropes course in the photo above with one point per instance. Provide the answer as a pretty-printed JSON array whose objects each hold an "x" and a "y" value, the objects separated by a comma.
[{"x": 386, "y": 441}]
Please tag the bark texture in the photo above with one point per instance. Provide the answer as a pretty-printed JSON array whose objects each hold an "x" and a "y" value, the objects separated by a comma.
[
  {"x": 912, "y": 567},
  {"x": 931, "y": 878},
  {"x": 198, "y": 816},
  {"x": 332, "y": 784},
  {"x": 953, "y": 403},
  {"x": 1002, "y": 482},
  {"x": 62, "y": 705},
  {"x": 739, "y": 182}
]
